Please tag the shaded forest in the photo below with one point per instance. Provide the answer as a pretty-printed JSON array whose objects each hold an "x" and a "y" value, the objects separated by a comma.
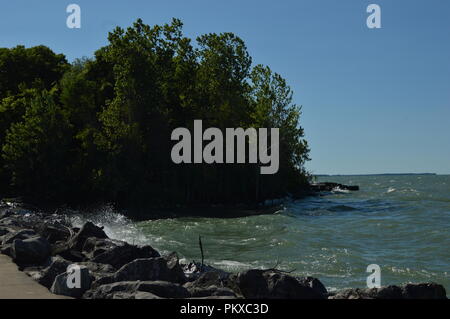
[{"x": 98, "y": 129}]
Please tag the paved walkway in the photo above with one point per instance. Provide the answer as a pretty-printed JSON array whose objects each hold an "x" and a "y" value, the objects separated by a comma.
[{"x": 15, "y": 284}]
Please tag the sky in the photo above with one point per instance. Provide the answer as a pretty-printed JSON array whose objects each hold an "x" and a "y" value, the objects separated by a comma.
[{"x": 373, "y": 100}]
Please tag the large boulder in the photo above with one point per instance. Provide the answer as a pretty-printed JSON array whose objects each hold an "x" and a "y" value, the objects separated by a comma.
[
  {"x": 164, "y": 289},
  {"x": 424, "y": 291},
  {"x": 5, "y": 249},
  {"x": 137, "y": 290},
  {"x": 314, "y": 283},
  {"x": 135, "y": 295},
  {"x": 116, "y": 253},
  {"x": 3, "y": 231},
  {"x": 88, "y": 230},
  {"x": 213, "y": 283},
  {"x": 408, "y": 291},
  {"x": 32, "y": 251},
  {"x": 53, "y": 232},
  {"x": 174, "y": 267},
  {"x": 391, "y": 292},
  {"x": 57, "y": 266},
  {"x": 200, "y": 292},
  {"x": 4, "y": 213},
  {"x": 149, "y": 269},
  {"x": 62, "y": 249},
  {"x": 73, "y": 283},
  {"x": 97, "y": 270},
  {"x": 20, "y": 234},
  {"x": 194, "y": 270},
  {"x": 271, "y": 284},
  {"x": 107, "y": 291},
  {"x": 96, "y": 246}
]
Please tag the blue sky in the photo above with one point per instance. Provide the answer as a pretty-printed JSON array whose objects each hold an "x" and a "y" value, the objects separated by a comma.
[{"x": 374, "y": 100}]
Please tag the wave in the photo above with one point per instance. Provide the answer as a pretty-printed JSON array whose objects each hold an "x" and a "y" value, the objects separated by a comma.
[
  {"x": 338, "y": 190},
  {"x": 116, "y": 225}
]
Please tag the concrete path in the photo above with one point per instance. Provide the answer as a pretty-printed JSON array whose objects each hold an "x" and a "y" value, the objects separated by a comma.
[{"x": 15, "y": 284}]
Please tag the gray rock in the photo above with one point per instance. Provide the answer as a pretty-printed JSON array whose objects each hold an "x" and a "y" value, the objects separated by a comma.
[
  {"x": 214, "y": 297},
  {"x": 355, "y": 293},
  {"x": 96, "y": 246},
  {"x": 408, "y": 291},
  {"x": 21, "y": 234},
  {"x": 62, "y": 249},
  {"x": 115, "y": 253},
  {"x": 58, "y": 266},
  {"x": 199, "y": 292},
  {"x": 98, "y": 271},
  {"x": 137, "y": 290},
  {"x": 135, "y": 295},
  {"x": 194, "y": 270},
  {"x": 108, "y": 291},
  {"x": 61, "y": 285},
  {"x": 88, "y": 230},
  {"x": 148, "y": 269},
  {"x": 173, "y": 265},
  {"x": 97, "y": 267},
  {"x": 5, "y": 249},
  {"x": 424, "y": 291},
  {"x": 53, "y": 232},
  {"x": 32, "y": 251},
  {"x": 260, "y": 284},
  {"x": 4, "y": 231},
  {"x": 314, "y": 283},
  {"x": 214, "y": 283},
  {"x": 164, "y": 289},
  {"x": 4, "y": 213}
]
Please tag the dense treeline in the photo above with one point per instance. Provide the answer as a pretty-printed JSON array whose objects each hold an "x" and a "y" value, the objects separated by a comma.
[{"x": 99, "y": 129}]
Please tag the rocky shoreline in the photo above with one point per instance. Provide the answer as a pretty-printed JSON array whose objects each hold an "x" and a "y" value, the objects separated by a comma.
[{"x": 47, "y": 248}]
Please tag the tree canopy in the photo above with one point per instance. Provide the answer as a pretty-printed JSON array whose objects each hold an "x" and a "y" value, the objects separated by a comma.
[{"x": 99, "y": 129}]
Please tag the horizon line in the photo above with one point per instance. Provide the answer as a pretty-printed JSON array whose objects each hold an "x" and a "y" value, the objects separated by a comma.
[{"x": 379, "y": 174}]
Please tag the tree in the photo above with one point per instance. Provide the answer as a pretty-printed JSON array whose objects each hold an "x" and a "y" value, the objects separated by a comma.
[
  {"x": 37, "y": 150},
  {"x": 30, "y": 67},
  {"x": 99, "y": 129}
]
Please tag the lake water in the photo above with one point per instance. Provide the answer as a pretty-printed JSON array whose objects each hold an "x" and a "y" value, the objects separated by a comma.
[{"x": 401, "y": 223}]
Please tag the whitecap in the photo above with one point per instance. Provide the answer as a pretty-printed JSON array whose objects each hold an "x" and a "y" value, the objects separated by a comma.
[{"x": 338, "y": 190}]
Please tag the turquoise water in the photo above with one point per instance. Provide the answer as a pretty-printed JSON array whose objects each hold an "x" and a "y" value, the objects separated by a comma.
[{"x": 401, "y": 223}]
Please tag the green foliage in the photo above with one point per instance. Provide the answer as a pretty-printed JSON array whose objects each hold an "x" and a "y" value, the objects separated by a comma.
[
  {"x": 100, "y": 128},
  {"x": 34, "y": 67},
  {"x": 37, "y": 149}
]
